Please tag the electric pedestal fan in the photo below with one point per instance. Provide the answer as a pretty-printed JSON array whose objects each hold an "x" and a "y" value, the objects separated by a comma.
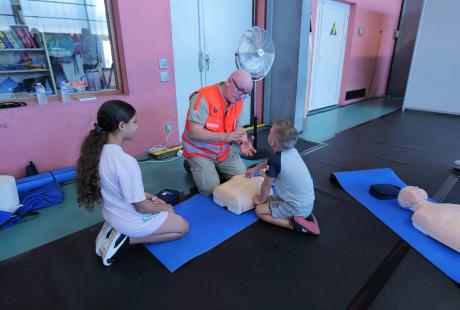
[{"x": 255, "y": 54}]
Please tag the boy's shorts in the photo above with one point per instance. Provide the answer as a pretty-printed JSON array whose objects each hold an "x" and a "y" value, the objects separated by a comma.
[{"x": 285, "y": 209}]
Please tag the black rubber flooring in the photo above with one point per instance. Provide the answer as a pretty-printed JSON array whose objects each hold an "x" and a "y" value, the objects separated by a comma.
[
  {"x": 302, "y": 146},
  {"x": 265, "y": 267}
]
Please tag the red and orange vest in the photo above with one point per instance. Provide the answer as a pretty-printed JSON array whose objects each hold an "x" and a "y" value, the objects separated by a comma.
[{"x": 217, "y": 121}]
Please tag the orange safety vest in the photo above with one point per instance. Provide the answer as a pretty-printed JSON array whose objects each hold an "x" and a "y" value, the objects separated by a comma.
[{"x": 217, "y": 121}]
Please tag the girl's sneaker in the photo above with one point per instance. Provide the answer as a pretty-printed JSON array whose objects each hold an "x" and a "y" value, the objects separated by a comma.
[
  {"x": 307, "y": 225},
  {"x": 111, "y": 245},
  {"x": 102, "y": 236}
]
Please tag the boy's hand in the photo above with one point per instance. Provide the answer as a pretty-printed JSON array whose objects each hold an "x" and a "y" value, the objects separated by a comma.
[
  {"x": 262, "y": 172},
  {"x": 250, "y": 172},
  {"x": 257, "y": 200}
]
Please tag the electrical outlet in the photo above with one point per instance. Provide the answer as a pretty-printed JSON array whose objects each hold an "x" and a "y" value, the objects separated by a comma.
[
  {"x": 164, "y": 76},
  {"x": 168, "y": 127},
  {"x": 163, "y": 63}
]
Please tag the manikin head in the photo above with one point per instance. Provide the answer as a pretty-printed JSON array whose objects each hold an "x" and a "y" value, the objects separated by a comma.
[
  {"x": 237, "y": 86},
  {"x": 409, "y": 196}
]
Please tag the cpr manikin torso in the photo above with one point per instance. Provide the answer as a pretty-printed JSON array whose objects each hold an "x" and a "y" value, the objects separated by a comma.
[
  {"x": 441, "y": 221},
  {"x": 238, "y": 193}
]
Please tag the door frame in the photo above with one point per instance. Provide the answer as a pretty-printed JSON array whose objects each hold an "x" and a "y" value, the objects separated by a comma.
[
  {"x": 282, "y": 100},
  {"x": 314, "y": 69}
]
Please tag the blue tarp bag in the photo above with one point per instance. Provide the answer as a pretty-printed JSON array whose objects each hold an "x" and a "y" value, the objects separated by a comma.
[{"x": 44, "y": 196}]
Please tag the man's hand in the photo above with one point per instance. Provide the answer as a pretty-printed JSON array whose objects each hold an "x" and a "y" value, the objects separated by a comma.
[
  {"x": 233, "y": 136},
  {"x": 246, "y": 148}
]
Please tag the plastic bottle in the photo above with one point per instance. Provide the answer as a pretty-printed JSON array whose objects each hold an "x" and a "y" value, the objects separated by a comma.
[
  {"x": 41, "y": 94},
  {"x": 65, "y": 95},
  {"x": 48, "y": 89}
]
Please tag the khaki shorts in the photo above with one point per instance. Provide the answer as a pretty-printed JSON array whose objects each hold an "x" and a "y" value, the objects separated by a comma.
[
  {"x": 285, "y": 209},
  {"x": 206, "y": 172}
]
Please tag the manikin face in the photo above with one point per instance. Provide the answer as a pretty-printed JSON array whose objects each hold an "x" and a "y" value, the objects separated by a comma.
[
  {"x": 411, "y": 195},
  {"x": 129, "y": 129}
]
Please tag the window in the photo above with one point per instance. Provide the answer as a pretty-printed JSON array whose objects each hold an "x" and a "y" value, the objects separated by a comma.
[{"x": 55, "y": 41}]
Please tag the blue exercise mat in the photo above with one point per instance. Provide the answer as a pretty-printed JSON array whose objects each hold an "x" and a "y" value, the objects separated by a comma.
[
  {"x": 357, "y": 184},
  {"x": 210, "y": 225},
  {"x": 36, "y": 181}
]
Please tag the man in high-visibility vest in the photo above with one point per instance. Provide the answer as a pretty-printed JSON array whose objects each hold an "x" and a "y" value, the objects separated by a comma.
[{"x": 214, "y": 122}]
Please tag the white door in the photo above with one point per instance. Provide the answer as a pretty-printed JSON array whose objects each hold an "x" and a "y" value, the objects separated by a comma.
[
  {"x": 224, "y": 23},
  {"x": 206, "y": 34},
  {"x": 186, "y": 31},
  {"x": 329, "y": 50}
]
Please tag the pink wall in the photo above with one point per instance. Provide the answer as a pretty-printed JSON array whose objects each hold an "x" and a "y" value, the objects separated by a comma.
[
  {"x": 367, "y": 63},
  {"x": 51, "y": 135}
]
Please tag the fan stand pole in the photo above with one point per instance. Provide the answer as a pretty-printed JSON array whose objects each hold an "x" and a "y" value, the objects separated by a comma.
[
  {"x": 261, "y": 151},
  {"x": 254, "y": 115}
]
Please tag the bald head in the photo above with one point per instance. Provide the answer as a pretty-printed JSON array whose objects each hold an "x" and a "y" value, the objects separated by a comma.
[
  {"x": 237, "y": 86},
  {"x": 243, "y": 79}
]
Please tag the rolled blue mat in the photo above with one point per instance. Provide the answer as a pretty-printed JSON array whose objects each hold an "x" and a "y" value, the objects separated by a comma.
[
  {"x": 357, "y": 184},
  {"x": 65, "y": 174},
  {"x": 35, "y": 181}
]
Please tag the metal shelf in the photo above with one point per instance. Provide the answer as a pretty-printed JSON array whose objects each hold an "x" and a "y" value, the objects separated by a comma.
[
  {"x": 24, "y": 71},
  {"x": 22, "y": 49},
  {"x": 43, "y": 50}
]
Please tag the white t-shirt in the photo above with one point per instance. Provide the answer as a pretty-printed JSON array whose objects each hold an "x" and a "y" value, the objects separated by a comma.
[{"x": 121, "y": 186}]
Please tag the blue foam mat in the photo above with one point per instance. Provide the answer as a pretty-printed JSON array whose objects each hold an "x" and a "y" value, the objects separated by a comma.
[
  {"x": 210, "y": 225},
  {"x": 44, "y": 178},
  {"x": 357, "y": 184}
]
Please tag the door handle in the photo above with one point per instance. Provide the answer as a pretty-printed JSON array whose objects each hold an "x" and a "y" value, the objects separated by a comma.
[
  {"x": 203, "y": 61},
  {"x": 200, "y": 61},
  {"x": 206, "y": 61}
]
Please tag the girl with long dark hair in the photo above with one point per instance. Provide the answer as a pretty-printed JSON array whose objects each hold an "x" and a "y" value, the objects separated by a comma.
[{"x": 107, "y": 175}]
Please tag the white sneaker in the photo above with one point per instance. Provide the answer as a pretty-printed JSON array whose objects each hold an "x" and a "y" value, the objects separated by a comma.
[
  {"x": 457, "y": 164},
  {"x": 111, "y": 245},
  {"x": 102, "y": 236}
]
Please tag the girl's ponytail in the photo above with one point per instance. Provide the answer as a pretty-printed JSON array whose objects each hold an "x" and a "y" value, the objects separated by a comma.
[{"x": 88, "y": 181}]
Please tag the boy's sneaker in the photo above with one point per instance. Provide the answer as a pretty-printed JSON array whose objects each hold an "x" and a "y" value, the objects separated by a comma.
[
  {"x": 457, "y": 164},
  {"x": 307, "y": 225},
  {"x": 102, "y": 236},
  {"x": 111, "y": 245}
]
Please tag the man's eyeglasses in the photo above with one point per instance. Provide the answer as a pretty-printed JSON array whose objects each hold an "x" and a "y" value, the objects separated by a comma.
[{"x": 241, "y": 92}]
